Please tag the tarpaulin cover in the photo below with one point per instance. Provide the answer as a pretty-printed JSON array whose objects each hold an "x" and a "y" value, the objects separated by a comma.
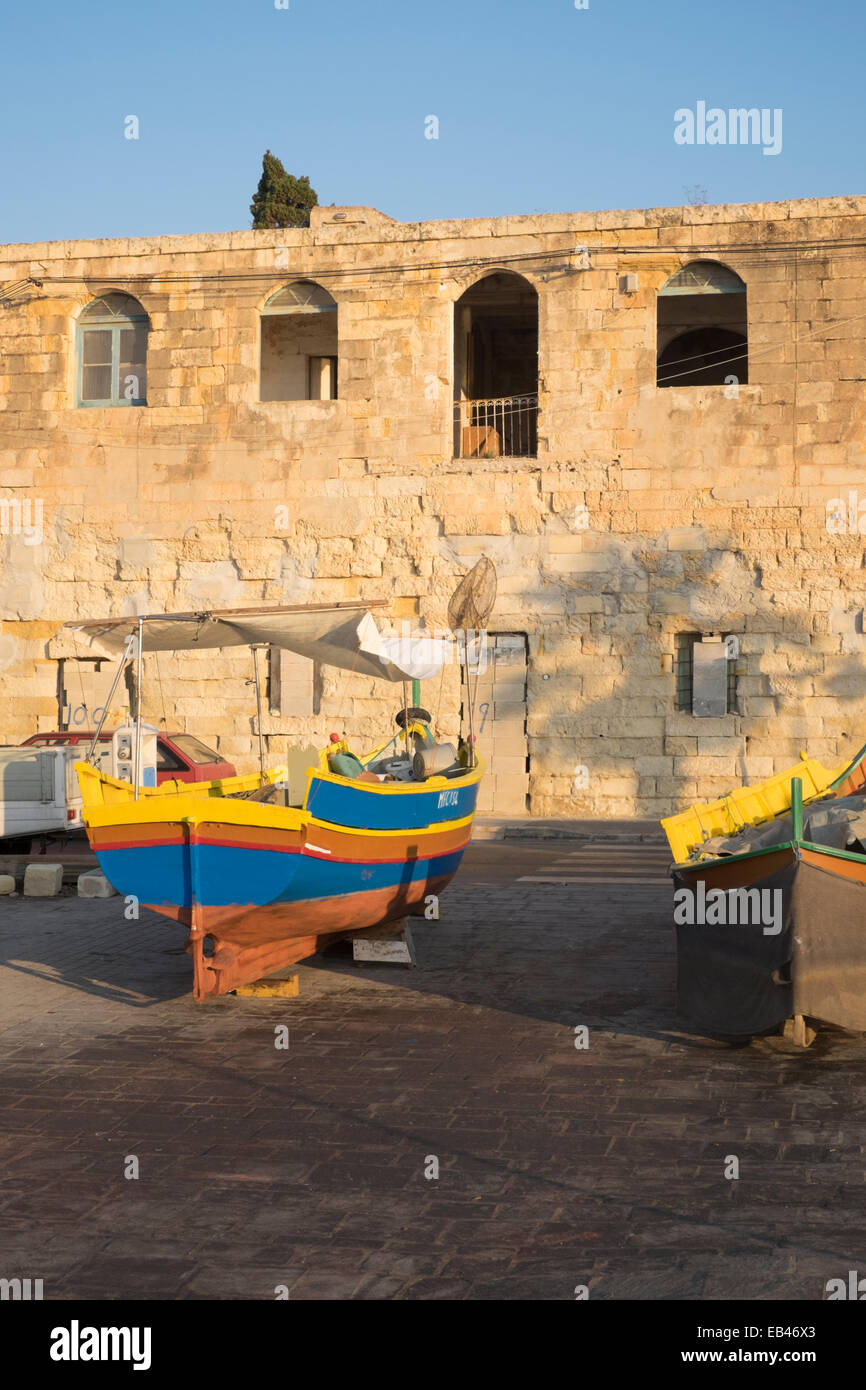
[
  {"x": 838, "y": 823},
  {"x": 345, "y": 636},
  {"x": 736, "y": 980}
]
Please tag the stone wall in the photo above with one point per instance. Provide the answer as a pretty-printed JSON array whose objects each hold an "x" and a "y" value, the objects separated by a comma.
[{"x": 647, "y": 513}]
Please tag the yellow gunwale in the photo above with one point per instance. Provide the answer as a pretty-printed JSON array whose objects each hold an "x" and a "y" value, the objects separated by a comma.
[
  {"x": 192, "y": 807},
  {"x": 91, "y": 779},
  {"x": 463, "y": 823},
  {"x": 433, "y": 784},
  {"x": 191, "y": 810},
  {"x": 748, "y": 805},
  {"x": 249, "y": 813}
]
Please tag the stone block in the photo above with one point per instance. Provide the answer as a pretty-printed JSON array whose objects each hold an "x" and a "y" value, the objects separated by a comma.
[
  {"x": 505, "y": 765},
  {"x": 580, "y": 564},
  {"x": 95, "y": 885},
  {"x": 687, "y": 538},
  {"x": 511, "y": 743},
  {"x": 43, "y": 880}
]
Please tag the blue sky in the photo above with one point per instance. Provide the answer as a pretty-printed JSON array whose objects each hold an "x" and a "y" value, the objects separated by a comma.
[{"x": 541, "y": 107}]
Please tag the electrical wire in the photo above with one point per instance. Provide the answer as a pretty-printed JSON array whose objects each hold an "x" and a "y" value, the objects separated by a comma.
[{"x": 748, "y": 252}]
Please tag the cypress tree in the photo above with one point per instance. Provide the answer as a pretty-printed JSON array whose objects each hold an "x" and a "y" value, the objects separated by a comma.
[{"x": 281, "y": 200}]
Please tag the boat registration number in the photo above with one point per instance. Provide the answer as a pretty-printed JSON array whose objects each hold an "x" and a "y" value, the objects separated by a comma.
[{"x": 447, "y": 799}]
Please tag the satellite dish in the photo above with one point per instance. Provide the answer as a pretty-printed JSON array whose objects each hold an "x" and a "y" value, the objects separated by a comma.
[{"x": 472, "y": 601}]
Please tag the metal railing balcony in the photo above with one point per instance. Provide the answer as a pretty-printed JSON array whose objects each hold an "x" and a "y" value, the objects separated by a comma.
[{"x": 498, "y": 427}]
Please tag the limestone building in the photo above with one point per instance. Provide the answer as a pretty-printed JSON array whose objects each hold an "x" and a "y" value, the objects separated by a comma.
[{"x": 651, "y": 421}]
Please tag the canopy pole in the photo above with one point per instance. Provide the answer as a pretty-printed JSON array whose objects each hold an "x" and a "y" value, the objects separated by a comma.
[
  {"x": 127, "y": 655},
  {"x": 255, "y": 652},
  {"x": 138, "y": 707},
  {"x": 406, "y": 715},
  {"x": 416, "y": 693}
]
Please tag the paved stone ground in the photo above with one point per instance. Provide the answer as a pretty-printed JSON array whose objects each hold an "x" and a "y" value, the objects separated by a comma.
[{"x": 558, "y": 1167}]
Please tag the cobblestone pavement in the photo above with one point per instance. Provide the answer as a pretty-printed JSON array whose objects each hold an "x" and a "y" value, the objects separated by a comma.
[{"x": 557, "y": 1166}]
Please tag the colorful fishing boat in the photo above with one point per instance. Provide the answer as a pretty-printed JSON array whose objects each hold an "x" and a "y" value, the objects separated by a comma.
[
  {"x": 771, "y": 917},
  {"x": 259, "y": 883}
]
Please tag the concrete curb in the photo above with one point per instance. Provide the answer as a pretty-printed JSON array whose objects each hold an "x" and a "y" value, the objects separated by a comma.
[{"x": 622, "y": 832}]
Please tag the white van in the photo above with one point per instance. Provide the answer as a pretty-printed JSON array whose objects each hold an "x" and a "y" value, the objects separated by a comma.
[{"x": 39, "y": 792}]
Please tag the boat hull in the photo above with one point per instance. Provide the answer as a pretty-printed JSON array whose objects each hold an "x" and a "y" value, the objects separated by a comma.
[
  {"x": 743, "y": 979},
  {"x": 261, "y": 887}
]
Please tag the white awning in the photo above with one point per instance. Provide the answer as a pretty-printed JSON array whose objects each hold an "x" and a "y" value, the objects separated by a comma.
[{"x": 343, "y": 635}]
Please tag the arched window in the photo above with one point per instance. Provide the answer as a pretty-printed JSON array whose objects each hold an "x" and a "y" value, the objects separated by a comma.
[
  {"x": 496, "y": 368},
  {"x": 112, "y": 351},
  {"x": 299, "y": 345},
  {"x": 702, "y": 328}
]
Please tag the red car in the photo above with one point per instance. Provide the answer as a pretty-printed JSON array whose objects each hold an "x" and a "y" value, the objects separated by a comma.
[{"x": 179, "y": 757}]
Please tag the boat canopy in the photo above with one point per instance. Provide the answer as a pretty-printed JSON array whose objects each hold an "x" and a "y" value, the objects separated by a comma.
[{"x": 344, "y": 635}]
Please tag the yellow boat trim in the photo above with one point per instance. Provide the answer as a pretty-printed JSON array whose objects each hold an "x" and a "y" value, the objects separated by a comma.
[
  {"x": 109, "y": 801},
  {"x": 745, "y": 806},
  {"x": 433, "y": 829},
  {"x": 187, "y": 810},
  {"x": 195, "y": 810},
  {"x": 98, "y": 788},
  {"x": 432, "y": 784}
]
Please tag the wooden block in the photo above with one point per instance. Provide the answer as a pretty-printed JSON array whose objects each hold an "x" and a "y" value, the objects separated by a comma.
[
  {"x": 797, "y": 1031},
  {"x": 289, "y": 988},
  {"x": 397, "y": 948}
]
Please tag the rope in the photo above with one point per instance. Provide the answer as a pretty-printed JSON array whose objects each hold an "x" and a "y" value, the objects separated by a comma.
[
  {"x": 439, "y": 700},
  {"x": 341, "y": 695},
  {"x": 159, "y": 683}
]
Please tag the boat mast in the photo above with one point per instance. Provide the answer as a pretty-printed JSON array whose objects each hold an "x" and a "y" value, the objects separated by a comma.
[
  {"x": 469, "y": 696},
  {"x": 255, "y": 652},
  {"x": 138, "y": 706}
]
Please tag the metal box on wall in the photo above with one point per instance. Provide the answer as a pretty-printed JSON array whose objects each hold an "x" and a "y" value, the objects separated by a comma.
[{"x": 710, "y": 678}]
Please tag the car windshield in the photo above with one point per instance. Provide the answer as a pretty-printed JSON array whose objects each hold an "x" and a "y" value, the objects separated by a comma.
[{"x": 194, "y": 749}]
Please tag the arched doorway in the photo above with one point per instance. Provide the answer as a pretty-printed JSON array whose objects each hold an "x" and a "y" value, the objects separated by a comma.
[{"x": 496, "y": 368}]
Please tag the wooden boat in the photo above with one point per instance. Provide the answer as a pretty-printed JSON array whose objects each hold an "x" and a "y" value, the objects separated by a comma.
[
  {"x": 771, "y": 921},
  {"x": 261, "y": 885}
]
